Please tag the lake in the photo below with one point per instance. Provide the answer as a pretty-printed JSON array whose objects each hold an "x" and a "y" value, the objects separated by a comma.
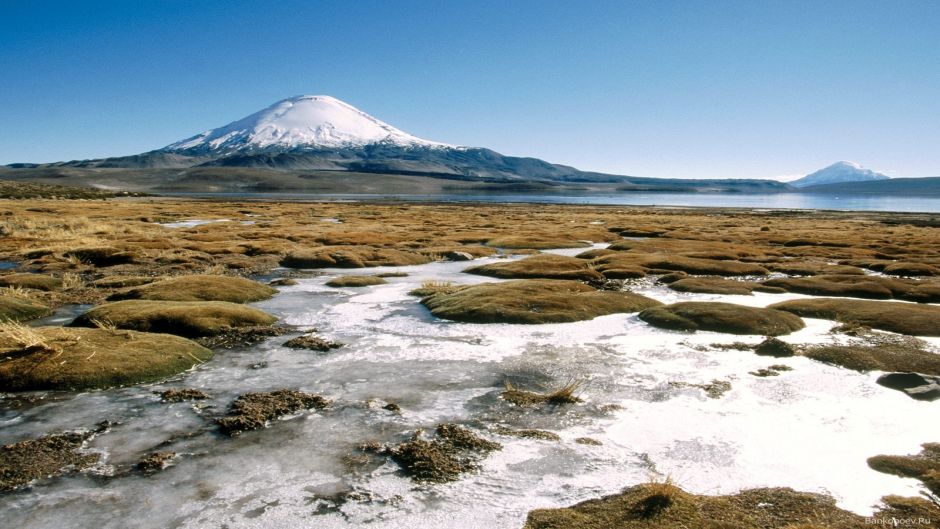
[{"x": 710, "y": 200}]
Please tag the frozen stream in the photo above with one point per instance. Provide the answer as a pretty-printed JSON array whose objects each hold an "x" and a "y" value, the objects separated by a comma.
[{"x": 811, "y": 428}]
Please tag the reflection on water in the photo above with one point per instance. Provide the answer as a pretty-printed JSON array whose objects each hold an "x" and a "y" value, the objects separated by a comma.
[{"x": 714, "y": 200}]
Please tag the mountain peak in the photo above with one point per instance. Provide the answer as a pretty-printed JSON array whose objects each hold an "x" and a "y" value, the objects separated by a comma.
[
  {"x": 297, "y": 123},
  {"x": 839, "y": 172}
]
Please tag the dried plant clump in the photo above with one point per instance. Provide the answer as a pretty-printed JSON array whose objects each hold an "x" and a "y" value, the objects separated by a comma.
[
  {"x": 253, "y": 411},
  {"x": 563, "y": 395}
]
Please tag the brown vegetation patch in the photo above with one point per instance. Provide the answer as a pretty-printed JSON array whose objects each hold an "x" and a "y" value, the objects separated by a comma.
[
  {"x": 869, "y": 287},
  {"x": 714, "y": 285},
  {"x": 540, "y": 435},
  {"x": 355, "y": 281},
  {"x": 252, "y": 411},
  {"x": 155, "y": 462},
  {"x": 898, "y": 356},
  {"x": 200, "y": 288},
  {"x": 352, "y": 257},
  {"x": 313, "y": 343},
  {"x": 722, "y": 317},
  {"x": 51, "y": 455},
  {"x": 545, "y": 266},
  {"x": 536, "y": 242},
  {"x": 15, "y": 308},
  {"x": 123, "y": 281},
  {"x": 664, "y": 506},
  {"x": 453, "y": 452},
  {"x": 672, "y": 262},
  {"x": 72, "y": 359},
  {"x": 904, "y": 318},
  {"x": 560, "y": 396},
  {"x": 183, "y": 318},
  {"x": 924, "y": 466},
  {"x": 180, "y": 395},
  {"x": 33, "y": 281},
  {"x": 531, "y": 301}
]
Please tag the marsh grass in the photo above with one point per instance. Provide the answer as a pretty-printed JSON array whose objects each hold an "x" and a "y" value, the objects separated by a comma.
[
  {"x": 563, "y": 395},
  {"x": 25, "y": 338}
]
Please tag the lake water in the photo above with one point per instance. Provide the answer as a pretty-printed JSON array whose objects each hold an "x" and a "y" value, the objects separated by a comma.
[{"x": 712, "y": 200}]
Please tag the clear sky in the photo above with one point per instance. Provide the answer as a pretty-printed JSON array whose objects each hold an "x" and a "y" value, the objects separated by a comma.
[{"x": 652, "y": 88}]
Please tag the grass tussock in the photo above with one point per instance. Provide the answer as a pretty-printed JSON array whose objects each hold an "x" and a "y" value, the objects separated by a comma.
[
  {"x": 454, "y": 451},
  {"x": 253, "y": 411},
  {"x": 566, "y": 394},
  {"x": 662, "y": 505},
  {"x": 355, "y": 281},
  {"x": 903, "y": 318},
  {"x": 56, "y": 358},
  {"x": 183, "y": 318},
  {"x": 15, "y": 306},
  {"x": 544, "y": 266},
  {"x": 924, "y": 466},
  {"x": 722, "y": 317},
  {"x": 200, "y": 287},
  {"x": 532, "y": 301}
]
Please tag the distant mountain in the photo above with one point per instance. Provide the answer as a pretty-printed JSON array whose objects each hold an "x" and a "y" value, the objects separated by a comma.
[
  {"x": 314, "y": 142},
  {"x": 928, "y": 186},
  {"x": 837, "y": 173}
]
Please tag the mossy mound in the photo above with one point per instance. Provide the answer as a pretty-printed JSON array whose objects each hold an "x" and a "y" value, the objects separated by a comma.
[
  {"x": 355, "y": 281},
  {"x": 183, "y": 318},
  {"x": 904, "y": 318},
  {"x": 868, "y": 287},
  {"x": 545, "y": 266},
  {"x": 123, "y": 281},
  {"x": 101, "y": 256},
  {"x": 899, "y": 356},
  {"x": 664, "y": 506},
  {"x": 531, "y": 301},
  {"x": 802, "y": 268},
  {"x": 252, "y": 411},
  {"x": 47, "y": 456},
  {"x": 536, "y": 242},
  {"x": 722, "y": 317},
  {"x": 924, "y": 466},
  {"x": 911, "y": 269},
  {"x": 200, "y": 288},
  {"x": 33, "y": 281},
  {"x": 352, "y": 257},
  {"x": 558, "y": 397},
  {"x": 455, "y": 451},
  {"x": 14, "y": 308},
  {"x": 74, "y": 359},
  {"x": 671, "y": 262},
  {"x": 714, "y": 285}
]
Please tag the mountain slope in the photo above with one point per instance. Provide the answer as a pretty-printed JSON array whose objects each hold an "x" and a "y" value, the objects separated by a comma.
[
  {"x": 311, "y": 122},
  {"x": 320, "y": 135},
  {"x": 838, "y": 172}
]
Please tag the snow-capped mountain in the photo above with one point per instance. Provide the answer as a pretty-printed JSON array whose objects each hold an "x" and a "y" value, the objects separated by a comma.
[
  {"x": 298, "y": 123},
  {"x": 838, "y": 173}
]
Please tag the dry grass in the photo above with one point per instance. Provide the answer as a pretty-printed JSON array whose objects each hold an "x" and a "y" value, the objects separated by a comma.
[
  {"x": 24, "y": 338},
  {"x": 532, "y": 301},
  {"x": 71, "y": 281},
  {"x": 563, "y": 395}
]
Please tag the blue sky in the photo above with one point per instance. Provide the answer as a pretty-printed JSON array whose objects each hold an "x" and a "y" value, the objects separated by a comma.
[{"x": 653, "y": 88}]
